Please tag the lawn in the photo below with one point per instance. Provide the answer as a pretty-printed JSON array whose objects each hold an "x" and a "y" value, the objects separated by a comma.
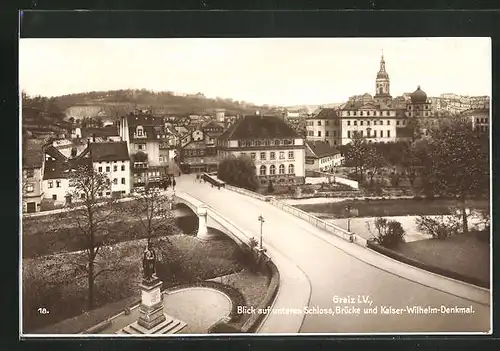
[
  {"x": 47, "y": 235},
  {"x": 50, "y": 281},
  {"x": 389, "y": 207},
  {"x": 463, "y": 254}
]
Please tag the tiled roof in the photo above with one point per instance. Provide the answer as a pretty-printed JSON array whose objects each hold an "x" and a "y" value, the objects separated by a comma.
[
  {"x": 144, "y": 120},
  {"x": 259, "y": 127},
  {"x": 55, "y": 169},
  {"x": 33, "y": 153},
  {"x": 319, "y": 149},
  {"x": 100, "y": 132},
  {"x": 113, "y": 151},
  {"x": 54, "y": 153},
  {"x": 326, "y": 113}
]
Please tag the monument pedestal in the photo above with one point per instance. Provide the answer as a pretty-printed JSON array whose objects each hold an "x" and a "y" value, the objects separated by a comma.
[{"x": 152, "y": 320}]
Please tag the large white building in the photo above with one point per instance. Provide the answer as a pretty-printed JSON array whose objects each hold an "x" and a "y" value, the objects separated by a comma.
[
  {"x": 276, "y": 149},
  {"x": 378, "y": 118}
]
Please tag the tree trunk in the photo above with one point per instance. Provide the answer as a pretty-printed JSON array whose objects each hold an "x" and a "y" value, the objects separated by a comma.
[
  {"x": 465, "y": 224},
  {"x": 90, "y": 301}
]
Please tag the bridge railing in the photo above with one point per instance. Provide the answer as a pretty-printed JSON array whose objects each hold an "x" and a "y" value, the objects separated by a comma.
[{"x": 317, "y": 222}]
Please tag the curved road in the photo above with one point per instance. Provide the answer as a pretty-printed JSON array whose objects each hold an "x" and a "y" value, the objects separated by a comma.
[{"x": 334, "y": 271}]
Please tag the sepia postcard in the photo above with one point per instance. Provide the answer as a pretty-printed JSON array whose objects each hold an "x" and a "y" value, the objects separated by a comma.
[{"x": 270, "y": 186}]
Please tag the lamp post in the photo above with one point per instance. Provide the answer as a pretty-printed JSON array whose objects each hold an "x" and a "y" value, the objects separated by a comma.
[
  {"x": 261, "y": 220},
  {"x": 348, "y": 210}
]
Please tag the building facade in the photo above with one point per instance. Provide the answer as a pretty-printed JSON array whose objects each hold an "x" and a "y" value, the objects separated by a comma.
[
  {"x": 151, "y": 146},
  {"x": 275, "y": 148},
  {"x": 321, "y": 156},
  {"x": 32, "y": 175}
]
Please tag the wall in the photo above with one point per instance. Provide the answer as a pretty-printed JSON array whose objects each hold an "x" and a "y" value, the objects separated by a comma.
[
  {"x": 60, "y": 192},
  {"x": 118, "y": 174},
  {"x": 352, "y": 183}
]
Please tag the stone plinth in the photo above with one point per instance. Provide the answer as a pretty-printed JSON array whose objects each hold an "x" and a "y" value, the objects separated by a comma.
[{"x": 152, "y": 320}]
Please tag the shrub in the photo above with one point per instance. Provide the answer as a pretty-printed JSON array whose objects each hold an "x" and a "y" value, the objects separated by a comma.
[
  {"x": 439, "y": 227},
  {"x": 389, "y": 232},
  {"x": 270, "y": 187},
  {"x": 395, "y": 178}
]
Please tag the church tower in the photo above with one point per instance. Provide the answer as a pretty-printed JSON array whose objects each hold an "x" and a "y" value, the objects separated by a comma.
[{"x": 382, "y": 83}]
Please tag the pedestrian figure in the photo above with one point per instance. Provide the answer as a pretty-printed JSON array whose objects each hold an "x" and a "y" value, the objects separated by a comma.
[
  {"x": 173, "y": 184},
  {"x": 179, "y": 173}
]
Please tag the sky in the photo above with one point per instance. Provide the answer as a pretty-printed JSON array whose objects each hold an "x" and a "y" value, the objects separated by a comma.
[{"x": 283, "y": 72}]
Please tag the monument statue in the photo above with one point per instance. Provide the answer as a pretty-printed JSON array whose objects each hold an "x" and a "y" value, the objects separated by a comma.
[{"x": 149, "y": 263}]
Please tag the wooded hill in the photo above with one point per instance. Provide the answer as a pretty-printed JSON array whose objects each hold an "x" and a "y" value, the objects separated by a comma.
[{"x": 119, "y": 102}]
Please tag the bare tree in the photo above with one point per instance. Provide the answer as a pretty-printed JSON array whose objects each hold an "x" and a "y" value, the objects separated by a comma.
[
  {"x": 90, "y": 214},
  {"x": 153, "y": 211}
]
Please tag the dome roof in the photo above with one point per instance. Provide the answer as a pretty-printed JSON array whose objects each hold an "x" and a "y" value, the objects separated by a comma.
[{"x": 418, "y": 96}]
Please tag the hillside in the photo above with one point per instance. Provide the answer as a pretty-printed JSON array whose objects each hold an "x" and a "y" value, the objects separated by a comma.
[{"x": 115, "y": 103}]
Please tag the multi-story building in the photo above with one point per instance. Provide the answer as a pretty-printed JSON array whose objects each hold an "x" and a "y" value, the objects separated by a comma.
[
  {"x": 479, "y": 118},
  {"x": 321, "y": 156},
  {"x": 111, "y": 158},
  {"x": 32, "y": 175},
  {"x": 151, "y": 146},
  {"x": 276, "y": 149},
  {"x": 199, "y": 148},
  {"x": 56, "y": 176},
  {"x": 324, "y": 126}
]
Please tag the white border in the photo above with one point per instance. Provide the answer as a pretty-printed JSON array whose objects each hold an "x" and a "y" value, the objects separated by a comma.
[{"x": 210, "y": 336}]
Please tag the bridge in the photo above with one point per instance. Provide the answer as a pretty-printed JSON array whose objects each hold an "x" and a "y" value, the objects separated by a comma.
[{"x": 322, "y": 271}]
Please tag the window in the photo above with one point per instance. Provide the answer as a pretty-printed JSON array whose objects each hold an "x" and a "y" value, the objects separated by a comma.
[
  {"x": 115, "y": 181},
  {"x": 361, "y": 122},
  {"x": 348, "y": 123},
  {"x": 381, "y": 133},
  {"x": 354, "y": 113},
  {"x": 282, "y": 155},
  {"x": 367, "y": 113},
  {"x": 348, "y": 133},
  {"x": 243, "y": 154},
  {"x": 115, "y": 168},
  {"x": 100, "y": 169},
  {"x": 319, "y": 133},
  {"x": 262, "y": 170},
  {"x": 141, "y": 146},
  {"x": 282, "y": 169},
  {"x": 319, "y": 123},
  {"x": 327, "y": 123},
  {"x": 139, "y": 132},
  {"x": 367, "y": 123},
  {"x": 30, "y": 173},
  {"x": 334, "y": 143},
  {"x": 272, "y": 155},
  {"x": 388, "y": 133},
  {"x": 272, "y": 170},
  {"x": 291, "y": 169},
  {"x": 387, "y": 113},
  {"x": 262, "y": 155},
  {"x": 123, "y": 180},
  {"x": 51, "y": 184},
  {"x": 100, "y": 193},
  {"x": 355, "y": 123},
  {"x": 108, "y": 192},
  {"x": 107, "y": 169},
  {"x": 276, "y": 142},
  {"x": 30, "y": 188},
  {"x": 388, "y": 123},
  {"x": 82, "y": 196},
  {"x": 374, "y": 133},
  {"x": 58, "y": 183},
  {"x": 54, "y": 197},
  {"x": 252, "y": 155},
  {"x": 361, "y": 113},
  {"x": 327, "y": 133},
  {"x": 397, "y": 123},
  {"x": 107, "y": 181},
  {"x": 290, "y": 155}
]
